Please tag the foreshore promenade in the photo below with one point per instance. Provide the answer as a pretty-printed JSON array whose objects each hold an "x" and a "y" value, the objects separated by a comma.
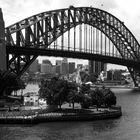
[{"x": 37, "y": 116}]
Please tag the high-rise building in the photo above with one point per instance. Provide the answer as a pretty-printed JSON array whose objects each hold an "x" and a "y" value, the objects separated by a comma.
[
  {"x": 53, "y": 69},
  {"x": 34, "y": 67},
  {"x": 46, "y": 67},
  {"x": 97, "y": 67},
  {"x": 71, "y": 67},
  {"x": 58, "y": 69},
  {"x": 58, "y": 62},
  {"x": 64, "y": 68}
]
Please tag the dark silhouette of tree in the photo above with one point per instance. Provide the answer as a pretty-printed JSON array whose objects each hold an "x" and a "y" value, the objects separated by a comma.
[
  {"x": 85, "y": 99},
  {"x": 84, "y": 89},
  {"x": 60, "y": 92},
  {"x": 97, "y": 97},
  {"x": 73, "y": 94},
  {"x": 73, "y": 97},
  {"x": 109, "y": 98},
  {"x": 93, "y": 77},
  {"x": 84, "y": 76},
  {"x": 47, "y": 90},
  {"x": 93, "y": 96},
  {"x": 9, "y": 83},
  {"x": 55, "y": 91}
]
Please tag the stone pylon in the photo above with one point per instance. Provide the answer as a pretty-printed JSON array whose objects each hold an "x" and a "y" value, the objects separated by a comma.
[{"x": 2, "y": 43}]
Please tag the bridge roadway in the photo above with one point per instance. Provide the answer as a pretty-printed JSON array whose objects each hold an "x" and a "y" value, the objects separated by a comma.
[{"x": 71, "y": 54}]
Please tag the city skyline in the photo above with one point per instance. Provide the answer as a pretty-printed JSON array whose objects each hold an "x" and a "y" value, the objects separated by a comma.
[{"x": 78, "y": 61}]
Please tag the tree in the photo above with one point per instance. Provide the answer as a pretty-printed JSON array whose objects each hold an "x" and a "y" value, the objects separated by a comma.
[
  {"x": 60, "y": 92},
  {"x": 16, "y": 85},
  {"x": 109, "y": 98},
  {"x": 84, "y": 76},
  {"x": 94, "y": 98},
  {"x": 93, "y": 77},
  {"x": 55, "y": 91},
  {"x": 85, "y": 99},
  {"x": 85, "y": 89},
  {"x": 73, "y": 97},
  {"x": 9, "y": 83},
  {"x": 47, "y": 90},
  {"x": 97, "y": 97}
]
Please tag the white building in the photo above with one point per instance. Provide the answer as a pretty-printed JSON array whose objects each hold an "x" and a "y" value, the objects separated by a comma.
[{"x": 31, "y": 99}]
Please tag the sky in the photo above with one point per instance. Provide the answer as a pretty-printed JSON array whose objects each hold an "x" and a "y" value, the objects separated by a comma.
[{"x": 126, "y": 10}]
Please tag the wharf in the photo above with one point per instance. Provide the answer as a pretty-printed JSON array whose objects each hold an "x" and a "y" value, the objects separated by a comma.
[{"x": 37, "y": 116}]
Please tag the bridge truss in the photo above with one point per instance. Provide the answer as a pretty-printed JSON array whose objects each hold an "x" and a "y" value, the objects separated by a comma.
[{"x": 77, "y": 32}]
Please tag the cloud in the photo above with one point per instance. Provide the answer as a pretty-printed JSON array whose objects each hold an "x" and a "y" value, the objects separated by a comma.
[
  {"x": 17, "y": 10},
  {"x": 105, "y": 4},
  {"x": 128, "y": 12}
]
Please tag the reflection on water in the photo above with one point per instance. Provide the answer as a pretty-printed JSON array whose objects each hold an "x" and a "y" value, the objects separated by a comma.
[{"x": 126, "y": 127}]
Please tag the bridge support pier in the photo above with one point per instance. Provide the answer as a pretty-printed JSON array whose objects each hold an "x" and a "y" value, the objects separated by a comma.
[
  {"x": 135, "y": 74},
  {"x": 3, "y": 65}
]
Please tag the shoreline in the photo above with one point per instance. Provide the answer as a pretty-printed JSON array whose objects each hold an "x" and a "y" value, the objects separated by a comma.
[
  {"x": 116, "y": 86},
  {"x": 34, "y": 117}
]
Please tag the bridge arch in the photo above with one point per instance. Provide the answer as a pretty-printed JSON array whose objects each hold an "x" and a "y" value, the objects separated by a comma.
[{"x": 52, "y": 24}]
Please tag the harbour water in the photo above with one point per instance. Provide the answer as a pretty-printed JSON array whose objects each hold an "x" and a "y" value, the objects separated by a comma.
[{"x": 127, "y": 127}]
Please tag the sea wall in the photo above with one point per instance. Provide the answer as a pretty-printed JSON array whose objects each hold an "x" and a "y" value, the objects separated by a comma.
[{"x": 37, "y": 116}]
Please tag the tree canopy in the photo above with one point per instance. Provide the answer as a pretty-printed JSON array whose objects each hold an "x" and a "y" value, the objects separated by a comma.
[
  {"x": 58, "y": 91},
  {"x": 9, "y": 83}
]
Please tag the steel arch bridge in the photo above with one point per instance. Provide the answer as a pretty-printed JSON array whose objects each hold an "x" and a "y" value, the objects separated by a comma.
[{"x": 76, "y": 32}]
